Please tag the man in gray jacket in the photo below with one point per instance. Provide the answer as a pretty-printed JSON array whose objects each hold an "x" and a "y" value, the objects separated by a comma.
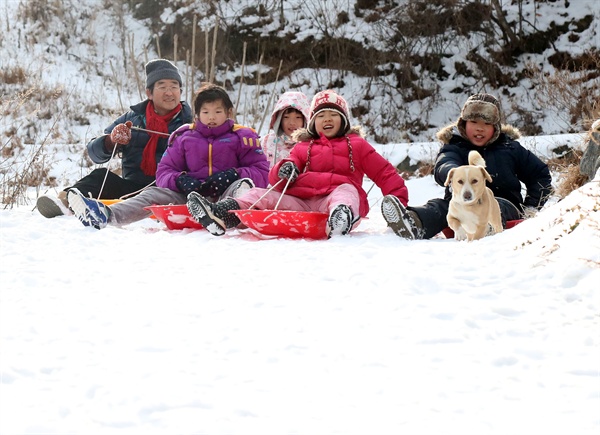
[{"x": 139, "y": 137}]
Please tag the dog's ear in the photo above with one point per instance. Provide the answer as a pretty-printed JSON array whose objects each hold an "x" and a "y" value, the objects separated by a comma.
[
  {"x": 449, "y": 177},
  {"x": 486, "y": 174}
]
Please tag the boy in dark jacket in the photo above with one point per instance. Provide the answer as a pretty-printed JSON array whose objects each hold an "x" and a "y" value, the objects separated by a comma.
[
  {"x": 140, "y": 151},
  {"x": 213, "y": 156},
  {"x": 508, "y": 162}
]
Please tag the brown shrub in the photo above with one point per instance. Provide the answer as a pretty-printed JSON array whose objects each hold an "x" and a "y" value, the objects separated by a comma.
[
  {"x": 13, "y": 75},
  {"x": 567, "y": 166}
]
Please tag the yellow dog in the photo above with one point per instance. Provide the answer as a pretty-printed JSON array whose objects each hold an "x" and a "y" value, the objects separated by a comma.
[{"x": 473, "y": 207}]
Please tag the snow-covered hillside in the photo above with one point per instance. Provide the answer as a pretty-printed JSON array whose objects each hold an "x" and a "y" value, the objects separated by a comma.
[{"x": 79, "y": 59}]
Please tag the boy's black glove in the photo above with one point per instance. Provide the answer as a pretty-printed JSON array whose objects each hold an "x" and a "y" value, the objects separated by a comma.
[
  {"x": 216, "y": 184},
  {"x": 187, "y": 184},
  {"x": 288, "y": 170}
]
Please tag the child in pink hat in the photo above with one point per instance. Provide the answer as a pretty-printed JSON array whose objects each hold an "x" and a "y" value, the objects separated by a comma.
[
  {"x": 291, "y": 112},
  {"x": 325, "y": 170}
]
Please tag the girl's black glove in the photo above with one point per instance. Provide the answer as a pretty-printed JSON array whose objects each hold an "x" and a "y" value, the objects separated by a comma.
[
  {"x": 216, "y": 184},
  {"x": 288, "y": 170},
  {"x": 187, "y": 184}
]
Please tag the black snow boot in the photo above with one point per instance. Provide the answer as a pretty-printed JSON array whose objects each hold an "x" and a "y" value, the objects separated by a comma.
[
  {"x": 405, "y": 223},
  {"x": 215, "y": 217},
  {"x": 340, "y": 221}
]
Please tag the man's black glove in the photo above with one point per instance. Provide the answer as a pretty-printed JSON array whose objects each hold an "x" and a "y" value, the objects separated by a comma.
[
  {"x": 289, "y": 170},
  {"x": 216, "y": 184},
  {"x": 187, "y": 184}
]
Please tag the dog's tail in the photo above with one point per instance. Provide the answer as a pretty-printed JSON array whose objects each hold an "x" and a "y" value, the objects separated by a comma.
[{"x": 475, "y": 159}]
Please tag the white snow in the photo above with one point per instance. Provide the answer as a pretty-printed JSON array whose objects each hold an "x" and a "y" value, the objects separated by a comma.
[{"x": 141, "y": 330}]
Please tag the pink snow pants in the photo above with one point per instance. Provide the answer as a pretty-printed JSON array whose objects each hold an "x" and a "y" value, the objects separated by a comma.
[{"x": 344, "y": 194}]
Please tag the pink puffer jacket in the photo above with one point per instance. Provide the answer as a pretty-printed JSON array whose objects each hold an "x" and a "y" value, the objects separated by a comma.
[{"x": 326, "y": 163}]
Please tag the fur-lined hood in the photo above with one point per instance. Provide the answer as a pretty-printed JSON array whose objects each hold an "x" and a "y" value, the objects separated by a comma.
[
  {"x": 302, "y": 134},
  {"x": 445, "y": 134}
]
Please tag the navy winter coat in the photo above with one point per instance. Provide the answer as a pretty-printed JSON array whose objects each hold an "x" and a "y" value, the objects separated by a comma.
[
  {"x": 131, "y": 154},
  {"x": 507, "y": 161}
]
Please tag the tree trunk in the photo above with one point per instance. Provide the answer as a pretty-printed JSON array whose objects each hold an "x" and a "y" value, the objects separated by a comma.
[{"x": 506, "y": 29}]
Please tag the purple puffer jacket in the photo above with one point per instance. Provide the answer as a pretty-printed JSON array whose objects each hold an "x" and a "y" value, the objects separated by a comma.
[{"x": 201, "y": 151}]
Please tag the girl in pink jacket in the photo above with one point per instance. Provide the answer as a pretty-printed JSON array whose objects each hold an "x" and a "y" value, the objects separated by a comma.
[
  {"x": 325, "y": 170},
  {"x": 291, "y": 112}
]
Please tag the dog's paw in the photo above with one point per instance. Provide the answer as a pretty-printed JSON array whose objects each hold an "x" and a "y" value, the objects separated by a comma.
[{"x": 461, "y": 234}]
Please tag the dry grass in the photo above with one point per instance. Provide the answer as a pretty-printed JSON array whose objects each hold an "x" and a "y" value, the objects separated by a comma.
[
  {"x": 570, "y": 180},
  {"x": 13, "y": 75},
  {"x": 572, "y": 91},
  {"x": 25, "y": 161},
  {"x": 567, "y": 167}
]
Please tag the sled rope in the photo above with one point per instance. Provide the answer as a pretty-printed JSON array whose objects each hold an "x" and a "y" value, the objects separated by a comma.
[
  {"x": 283, "y": 192},
  {"x": 265, "y": 194},
  {"x": 151, "y": 131},
  {"x": 127, "y": 195},
  {"x": 107, "y": 169}
]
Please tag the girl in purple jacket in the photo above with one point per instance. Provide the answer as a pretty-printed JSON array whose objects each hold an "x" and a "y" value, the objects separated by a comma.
[{"x": 212, "y": 156}]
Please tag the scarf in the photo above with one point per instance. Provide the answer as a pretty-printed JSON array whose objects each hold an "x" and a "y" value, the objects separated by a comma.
[{"x": 155, "y": 122}]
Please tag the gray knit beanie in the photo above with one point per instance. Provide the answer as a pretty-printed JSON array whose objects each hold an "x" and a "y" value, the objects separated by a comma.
[
  {"x": 161, "y": 69},
  {"x": 483, "y": 107}
]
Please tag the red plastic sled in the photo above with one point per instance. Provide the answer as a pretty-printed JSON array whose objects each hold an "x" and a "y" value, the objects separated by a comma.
[
  {"x": 509, "y": 224},
  {"x": 285, "y": 223},
  {"x": 175, "y": 217}
]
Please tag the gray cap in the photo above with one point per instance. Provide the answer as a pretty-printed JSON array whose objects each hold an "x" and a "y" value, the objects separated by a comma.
[{"x": 161, "y": 69}]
